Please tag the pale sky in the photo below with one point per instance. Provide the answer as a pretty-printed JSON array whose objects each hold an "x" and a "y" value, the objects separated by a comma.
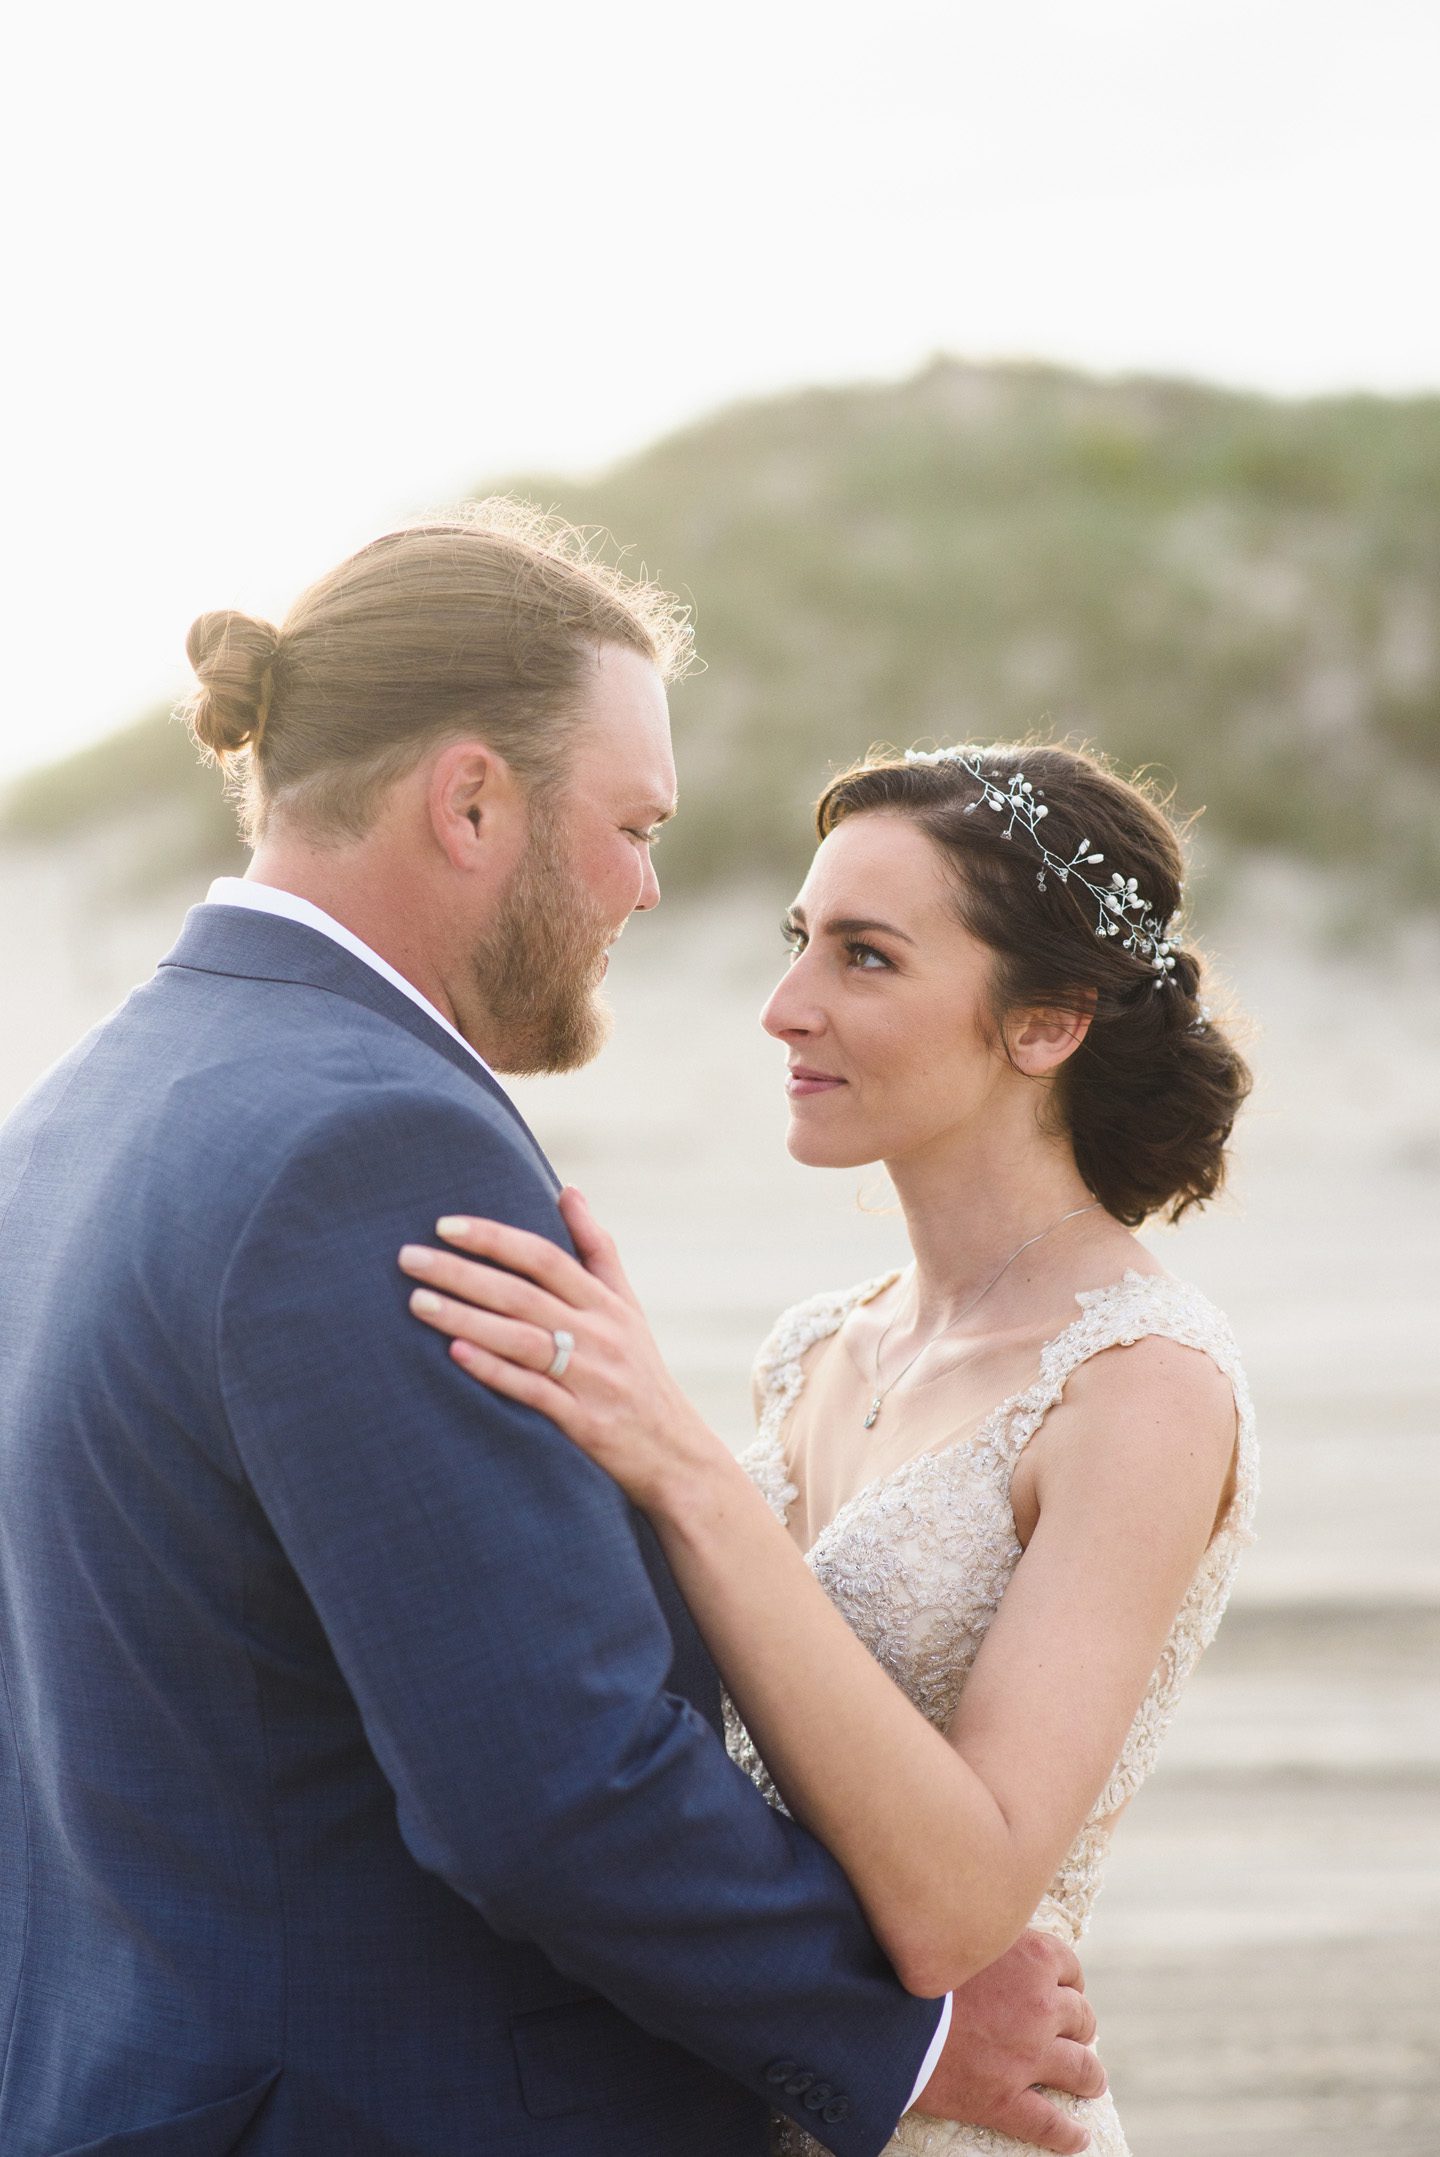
[{"x": 283, "y": 274}]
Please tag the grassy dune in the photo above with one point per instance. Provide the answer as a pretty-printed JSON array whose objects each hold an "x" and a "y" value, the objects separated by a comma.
[{"x": 1238, "y": 591}]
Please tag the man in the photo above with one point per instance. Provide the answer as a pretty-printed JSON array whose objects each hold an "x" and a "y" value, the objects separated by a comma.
[{"x": 361, "y": 1787}]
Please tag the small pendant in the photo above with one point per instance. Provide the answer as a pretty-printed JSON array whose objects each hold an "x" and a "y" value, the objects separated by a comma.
[{"x": 874, "y": 1412}]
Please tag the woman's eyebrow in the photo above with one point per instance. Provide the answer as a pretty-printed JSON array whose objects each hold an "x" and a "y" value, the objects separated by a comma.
[{"x": 853, "y": 925}]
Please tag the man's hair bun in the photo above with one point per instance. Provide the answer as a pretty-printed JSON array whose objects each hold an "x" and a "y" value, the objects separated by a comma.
[
  {"x": 479, "y": 624},
  {"x": 234, "y": 657}
]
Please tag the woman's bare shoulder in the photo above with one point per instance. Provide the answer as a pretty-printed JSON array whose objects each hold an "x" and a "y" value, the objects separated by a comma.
[{"x": 1144, "y": 1416}]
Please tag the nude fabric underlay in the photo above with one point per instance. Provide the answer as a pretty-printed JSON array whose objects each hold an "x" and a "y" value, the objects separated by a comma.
[{"x": 830, "y": 1456}]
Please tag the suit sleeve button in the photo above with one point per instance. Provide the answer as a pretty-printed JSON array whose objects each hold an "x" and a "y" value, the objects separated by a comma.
[
  {"x": 798, "y": 2085},
  {"x": 838, "y": 2109},
  {"x": 781, "y": 2070},
  {"x": 818, "y": 2096}
]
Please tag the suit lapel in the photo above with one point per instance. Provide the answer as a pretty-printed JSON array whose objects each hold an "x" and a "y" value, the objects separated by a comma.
[{"x": 253, "y": 946}]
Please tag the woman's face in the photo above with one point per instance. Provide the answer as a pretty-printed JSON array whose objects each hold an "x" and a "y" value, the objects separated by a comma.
[{"x": 883, "y": 1008}]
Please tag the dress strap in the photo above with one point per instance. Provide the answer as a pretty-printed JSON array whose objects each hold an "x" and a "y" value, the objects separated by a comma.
[
  {"x": 777, "y": 1374},
  {"x": 1131, "y": 1309},
  {"x": 778, "y": 1378}
]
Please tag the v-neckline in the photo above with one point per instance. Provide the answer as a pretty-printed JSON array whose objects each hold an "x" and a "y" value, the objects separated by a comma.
[{"x": 1085, "y": 1297}]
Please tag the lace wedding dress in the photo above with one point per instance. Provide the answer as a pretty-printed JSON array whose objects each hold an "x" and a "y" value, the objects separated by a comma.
[{"x": 918, "y": 1560}]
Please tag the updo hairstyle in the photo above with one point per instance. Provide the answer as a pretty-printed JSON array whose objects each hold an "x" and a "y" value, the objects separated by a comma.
[
  {"x": 483, "y": 622},
  {"x": 1150, "y": 1097}
]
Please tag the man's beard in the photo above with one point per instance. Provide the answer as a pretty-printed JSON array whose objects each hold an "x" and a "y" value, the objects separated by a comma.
[{"x": 537, "y": 971}]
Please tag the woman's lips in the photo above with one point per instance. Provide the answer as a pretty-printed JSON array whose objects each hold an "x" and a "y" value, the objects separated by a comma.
[{"x": 802, "y": 1082}]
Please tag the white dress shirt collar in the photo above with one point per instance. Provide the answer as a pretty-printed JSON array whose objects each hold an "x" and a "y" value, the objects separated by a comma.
[{"x": 267, "y": 899}]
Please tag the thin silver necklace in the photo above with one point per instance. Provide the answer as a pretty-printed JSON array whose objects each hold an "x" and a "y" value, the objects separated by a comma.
[{"x": 882, "y": 1391}]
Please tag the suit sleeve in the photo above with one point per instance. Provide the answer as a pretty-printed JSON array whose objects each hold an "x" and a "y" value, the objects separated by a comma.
[{"x": 487, "y": 1603}]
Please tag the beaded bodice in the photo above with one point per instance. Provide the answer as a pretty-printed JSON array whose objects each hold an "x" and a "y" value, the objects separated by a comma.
[{"x": 918, "y": 1560}]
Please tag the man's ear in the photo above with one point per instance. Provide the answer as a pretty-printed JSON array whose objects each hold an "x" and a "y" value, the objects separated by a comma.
[
  {"x": 472, "y": 798},
  {"x": 1041, "y": 1040}
]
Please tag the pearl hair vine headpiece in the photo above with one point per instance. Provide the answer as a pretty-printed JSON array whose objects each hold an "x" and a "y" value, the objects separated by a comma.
[{"x": 1120, "y": 908}]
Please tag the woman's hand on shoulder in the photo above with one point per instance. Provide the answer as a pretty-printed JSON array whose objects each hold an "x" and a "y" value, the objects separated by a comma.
[{"x": 505, "y": 1296}]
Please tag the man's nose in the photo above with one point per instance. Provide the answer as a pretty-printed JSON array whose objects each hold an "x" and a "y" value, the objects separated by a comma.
[{"x": 649, "y": 888}]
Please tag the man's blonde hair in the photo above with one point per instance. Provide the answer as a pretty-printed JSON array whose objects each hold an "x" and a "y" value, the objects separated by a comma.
[{"x": 480, "y": 622}]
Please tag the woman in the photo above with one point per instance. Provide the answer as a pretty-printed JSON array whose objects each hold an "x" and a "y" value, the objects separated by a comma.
[{"x": 958, "y": 1581}]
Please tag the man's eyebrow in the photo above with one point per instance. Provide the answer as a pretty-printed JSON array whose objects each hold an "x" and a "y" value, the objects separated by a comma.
[
  {"x": 853, "y": 925},
  {"x": 652, "y": 815}
]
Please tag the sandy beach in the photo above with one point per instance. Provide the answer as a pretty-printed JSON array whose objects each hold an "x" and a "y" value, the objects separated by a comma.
[{"x": 1264, "y": 1959}]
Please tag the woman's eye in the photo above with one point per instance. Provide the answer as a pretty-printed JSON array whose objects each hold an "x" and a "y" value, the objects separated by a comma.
[{"x": 868, "y": 951}]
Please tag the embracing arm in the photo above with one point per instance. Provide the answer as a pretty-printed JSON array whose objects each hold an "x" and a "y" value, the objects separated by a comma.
[{"x": 949, "y": 1839}]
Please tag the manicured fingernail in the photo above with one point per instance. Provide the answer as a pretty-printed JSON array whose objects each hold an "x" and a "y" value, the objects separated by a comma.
[
  {"x": 415, "y": 1254},
  {"x": 452, "y": 1225},
  {"x": 425, "y": 1301}
]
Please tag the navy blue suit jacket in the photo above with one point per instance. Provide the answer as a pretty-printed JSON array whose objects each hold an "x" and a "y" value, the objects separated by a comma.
[{"x": 360, "y": 1785}]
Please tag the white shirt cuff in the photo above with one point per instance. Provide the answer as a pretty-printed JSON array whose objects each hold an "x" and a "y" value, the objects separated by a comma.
[{"x": 937, "y": 2046}]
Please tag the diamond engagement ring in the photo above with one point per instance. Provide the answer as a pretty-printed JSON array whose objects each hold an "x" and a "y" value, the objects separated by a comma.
[{"x": 564, "y": 1348}]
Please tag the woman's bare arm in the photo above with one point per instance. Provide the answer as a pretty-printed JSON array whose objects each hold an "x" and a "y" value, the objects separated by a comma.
[{"x": 949, "y": 1839}]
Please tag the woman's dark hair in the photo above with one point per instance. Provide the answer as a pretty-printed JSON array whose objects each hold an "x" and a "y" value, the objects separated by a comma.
[{"x": 1150, "y": 1097}]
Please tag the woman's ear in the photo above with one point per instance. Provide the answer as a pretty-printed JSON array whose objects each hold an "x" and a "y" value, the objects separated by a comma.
[{"x": 1041, "y": 1040}]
